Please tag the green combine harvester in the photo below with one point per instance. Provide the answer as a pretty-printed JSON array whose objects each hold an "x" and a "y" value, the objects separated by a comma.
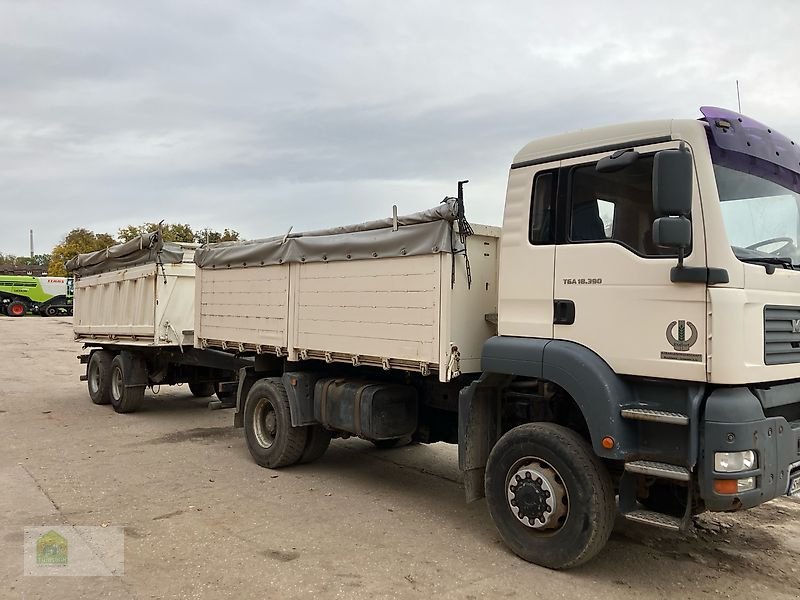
[{"x": 47, "y": 296}]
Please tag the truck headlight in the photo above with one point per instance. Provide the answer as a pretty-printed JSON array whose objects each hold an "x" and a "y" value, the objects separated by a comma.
[{"x": 733, "y": 462}]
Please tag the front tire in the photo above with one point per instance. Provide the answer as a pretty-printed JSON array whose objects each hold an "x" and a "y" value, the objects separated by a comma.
[
  {"x": 98, "y": 376},
  {"x": 124, "y": 398},
  {"x": 16, "y": 309},
  {"x": 550, "y": 497},
  {"x": 271, "y": 439}
]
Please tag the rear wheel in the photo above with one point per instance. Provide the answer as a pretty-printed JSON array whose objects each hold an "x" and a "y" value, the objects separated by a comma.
[
  {"x": 202, "y": 390},
  {"x": 550, "y": 497},
  {"x": 98, "y": 376},
  {"x": 15, "y": 309},
  {"x": 317, "y": 443},
  {"x": 125, "y": 398},
  {"x": 51, "y": 311},
  {"x": 271, "y": 439}
]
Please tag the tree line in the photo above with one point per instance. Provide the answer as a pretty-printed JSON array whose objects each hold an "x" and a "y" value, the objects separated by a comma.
[{"x": 80, "y": 241}]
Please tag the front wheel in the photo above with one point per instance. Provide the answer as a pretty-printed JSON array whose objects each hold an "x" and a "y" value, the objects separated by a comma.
[
  {"x": 15, "y": 309},
  {"x": 271, "y": 439},
  {"x": 550, "y": 497}
]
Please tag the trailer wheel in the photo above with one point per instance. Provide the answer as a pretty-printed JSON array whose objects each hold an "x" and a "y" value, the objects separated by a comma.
[
  {"x": 98, "y": 376},
  {"x": 317, "y": 443},
  {"x": 15, "y": 309},
  {"x": 202, "y": 390},
  {"x": 271, "y": 439},
  {"x": 549, "y": 496},
  {"x": 124, "y": 398},
  {"x": 392, "y": 443}
]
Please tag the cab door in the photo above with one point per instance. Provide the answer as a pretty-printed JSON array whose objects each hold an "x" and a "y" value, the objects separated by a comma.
[
  {"x": 527, "y": 252},
  {"x": 612, "y": 289}
]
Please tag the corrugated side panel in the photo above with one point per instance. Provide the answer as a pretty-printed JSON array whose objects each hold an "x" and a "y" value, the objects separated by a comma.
[
  {"x": 244, "y": 306},
  {"x": 382, "y": 308},
  {"x": 120, "y": 303}
]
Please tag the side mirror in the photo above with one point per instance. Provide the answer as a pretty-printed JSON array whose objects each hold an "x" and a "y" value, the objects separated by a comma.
[
  {"x": 672, "y": 183},
  {"x": 672, "y": 232}
]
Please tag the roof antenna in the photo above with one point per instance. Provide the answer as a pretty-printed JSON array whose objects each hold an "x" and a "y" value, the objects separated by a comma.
[{"x": 738, "y": 97}]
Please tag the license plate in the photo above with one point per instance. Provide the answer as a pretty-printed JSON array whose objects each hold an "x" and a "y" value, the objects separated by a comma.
[{"x": 794, "y": 486}]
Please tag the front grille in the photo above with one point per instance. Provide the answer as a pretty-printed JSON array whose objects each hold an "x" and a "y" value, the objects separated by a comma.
[{"x": 781, "y": 335}]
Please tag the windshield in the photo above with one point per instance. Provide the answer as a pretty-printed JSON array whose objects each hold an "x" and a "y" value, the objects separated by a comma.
[{"x": 762, "y": 218}]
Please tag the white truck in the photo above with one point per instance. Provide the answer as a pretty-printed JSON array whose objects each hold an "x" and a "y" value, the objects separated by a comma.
[
  {"x": 134, "y": 311},
  {"x": 628, "y": 341}
]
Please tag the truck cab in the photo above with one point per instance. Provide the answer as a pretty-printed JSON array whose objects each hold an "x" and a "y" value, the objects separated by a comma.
[{"x": 649, "y": 280}]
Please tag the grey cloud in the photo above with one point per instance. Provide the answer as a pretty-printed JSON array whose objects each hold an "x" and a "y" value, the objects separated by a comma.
[{"x": 261, "y": 115}]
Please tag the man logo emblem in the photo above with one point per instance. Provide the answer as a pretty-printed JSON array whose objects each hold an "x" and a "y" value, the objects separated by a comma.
[
  {"x": 795, "y": 325},
  {"x": 680, "y": 343}
]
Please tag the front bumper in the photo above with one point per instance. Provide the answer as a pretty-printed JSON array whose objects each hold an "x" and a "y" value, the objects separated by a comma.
[{"x": 734, "y": 421}]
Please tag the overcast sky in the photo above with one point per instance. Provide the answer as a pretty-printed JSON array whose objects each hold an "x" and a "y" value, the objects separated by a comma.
[{"x": 261, "y": 115}]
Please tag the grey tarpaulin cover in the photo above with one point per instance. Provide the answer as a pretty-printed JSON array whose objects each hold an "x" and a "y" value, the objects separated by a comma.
[
  {"x": 426, "y": 232},
  {"x": 143, "y": 249}
]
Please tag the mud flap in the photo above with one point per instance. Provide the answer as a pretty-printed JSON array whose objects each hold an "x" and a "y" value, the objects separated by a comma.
[
  {"x": 478, "y": 429},
  {"x": 247, "y": 378}
]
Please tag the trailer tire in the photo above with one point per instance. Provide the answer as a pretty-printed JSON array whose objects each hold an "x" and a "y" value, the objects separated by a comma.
[
  {"x": 271, "y": 439},
  {"x": 16, "y": 309},
  {"x": 98, "y": 376},
  {"x": 317, "y": 443},
  {"x": 202, "y": 390},
  {"x": 560, "y": 481},
  {"x": 392, "y": 443},
  {"x": 125, "y": 398}
]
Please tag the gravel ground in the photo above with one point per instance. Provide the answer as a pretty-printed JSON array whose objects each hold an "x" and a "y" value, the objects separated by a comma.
[{"x": 203, "y": 521}]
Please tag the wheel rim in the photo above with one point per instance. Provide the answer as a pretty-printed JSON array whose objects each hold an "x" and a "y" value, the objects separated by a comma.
[
  {"x": 94, "y": 378},
  {"x": 536, "y": 495},
  {"x": 265, "y": 423},
  {"x": 116, "y": 384},
  {"x": 17, "y": 310}
]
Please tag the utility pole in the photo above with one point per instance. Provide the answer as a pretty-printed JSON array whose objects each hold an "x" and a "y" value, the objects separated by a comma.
[
  {"x": 738, "y": 97},
  {"x": 31, "y": 243}
]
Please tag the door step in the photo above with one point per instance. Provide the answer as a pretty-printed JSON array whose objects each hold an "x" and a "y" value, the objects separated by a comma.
[
  {"x": 658, "y": 416},
  {"x": 648, "y": 517},
  {"x": 658, "y": 469}
]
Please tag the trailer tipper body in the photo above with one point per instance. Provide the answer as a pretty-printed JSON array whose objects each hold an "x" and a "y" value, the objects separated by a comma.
[{"x": 134, "y": 310}]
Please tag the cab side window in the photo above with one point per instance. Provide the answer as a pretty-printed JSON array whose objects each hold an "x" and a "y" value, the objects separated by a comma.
[
  {"x": 542, "y": 227},
  {"x": 615, "y": 207}
]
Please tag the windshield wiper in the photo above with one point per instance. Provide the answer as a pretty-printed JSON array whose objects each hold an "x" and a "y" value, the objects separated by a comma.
[{"x": 769, "y": 261}]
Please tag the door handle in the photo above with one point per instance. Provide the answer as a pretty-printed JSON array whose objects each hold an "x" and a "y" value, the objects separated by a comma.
[{"x": 563, "y": 312}]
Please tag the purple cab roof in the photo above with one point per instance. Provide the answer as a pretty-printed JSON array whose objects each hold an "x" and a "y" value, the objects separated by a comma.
[{"x": 738, "y": 133}]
